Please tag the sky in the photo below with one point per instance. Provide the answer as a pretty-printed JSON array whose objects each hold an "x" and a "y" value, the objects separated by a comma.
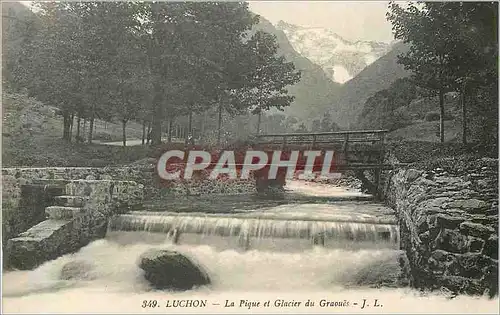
[{"x": 353, "y": 20}]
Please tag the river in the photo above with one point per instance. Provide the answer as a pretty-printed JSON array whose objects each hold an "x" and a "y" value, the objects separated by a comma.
[{"x": 336, "y": 280}]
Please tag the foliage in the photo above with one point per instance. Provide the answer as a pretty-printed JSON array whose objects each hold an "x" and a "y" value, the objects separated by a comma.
[
  {"x": 147, "y": 61},
  {"x": 424, "y": 152},
  {"x": 381, "y": 110},
  {"x": 432, "y": 116},
  {"x": 453, "y": 47}
]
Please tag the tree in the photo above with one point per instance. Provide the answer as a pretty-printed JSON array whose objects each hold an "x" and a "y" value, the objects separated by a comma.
[
  {"x": 203, "y": 36},
  {"x": 326, "y": 122},
  {"x": 428, "y": 57},
  {"x": 380, "y": 110},
  {"x": 290, "y": 122},
  {"x": 474, "y": 59},
  {"x": 21, "y": 27},
  {"x": 316, "y": 125},
  {"x": 268, "y": 77},
  {"x": 302, "y": 128},
  {"x": 53, "y": 72},
  {"x": 454, "y": 47},
  {"x": 128, "y": 87}
]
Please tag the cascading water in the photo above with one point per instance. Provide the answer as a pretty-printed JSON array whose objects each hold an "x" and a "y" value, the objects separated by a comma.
[
  {"x": 255, "y": 230},
  {"x": 293, "y": 269}
]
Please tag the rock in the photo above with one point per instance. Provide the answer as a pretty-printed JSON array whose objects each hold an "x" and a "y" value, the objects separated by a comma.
[
  {"x": 476, "y": 229},
  {"x": 448, "y": 222},
  {"x": 166, "y": 269},
  {"x": 451, "y": 241},
  {"x": 473, "y": 264},
  {"x": 469, "y": 204},
  {"x": 77, "y": 270},
  {"x": 491, "y": 278},
  {"x": 482, "y": 183},
  {"x": 437, "y": 202},
  {"x": 475, "y": 244},
  {"x": 440, "y": 261},
  {"x": 412, "y": 174},
  {"x": 491, "y": 247},
  {"x": 459, "y": 284}
]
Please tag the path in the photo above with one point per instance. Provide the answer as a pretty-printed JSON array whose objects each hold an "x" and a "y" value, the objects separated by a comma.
[{"x": 132, "y": 142}]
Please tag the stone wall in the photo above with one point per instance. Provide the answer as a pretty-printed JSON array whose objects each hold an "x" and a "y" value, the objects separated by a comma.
[
  {"x": 17, "y": 217},
  {"x": 33, "y": 199},
  {"x": 14, "y": 178},
  {"x": 73, "y": 225},
  {"x": 449, "y": 227}
]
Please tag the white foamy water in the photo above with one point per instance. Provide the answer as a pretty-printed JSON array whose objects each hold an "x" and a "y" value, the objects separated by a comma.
[
  {"x": 256, "y": 228},
  {"x": 301, "y": 272},
  {"x": 116, "y": 283}
]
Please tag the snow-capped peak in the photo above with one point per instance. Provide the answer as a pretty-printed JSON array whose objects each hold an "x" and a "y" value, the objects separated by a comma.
[{"x": 340, "y": 59}]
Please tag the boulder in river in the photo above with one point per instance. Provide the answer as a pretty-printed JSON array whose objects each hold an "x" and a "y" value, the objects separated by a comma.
[
  {"x": 166, "y": 269},
  {"x": 77, "y": 270}
]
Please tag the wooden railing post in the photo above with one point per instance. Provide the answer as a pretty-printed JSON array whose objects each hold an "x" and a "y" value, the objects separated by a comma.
[{"x": 346, "y": 148}]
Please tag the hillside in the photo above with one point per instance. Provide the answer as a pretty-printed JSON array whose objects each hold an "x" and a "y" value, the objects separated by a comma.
[
  {"x": 31, "y": 136},
  {"x": 339, "y": 58},
  {"x": 348, "y": 102},
  {"x": 314, "y": 92}
]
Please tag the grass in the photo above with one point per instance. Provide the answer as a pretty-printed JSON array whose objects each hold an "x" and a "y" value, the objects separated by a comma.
[
  {"x": 452, "y": 157},
  {"x": 32, "y": 131},
  {"x": 425, "y": 131}
]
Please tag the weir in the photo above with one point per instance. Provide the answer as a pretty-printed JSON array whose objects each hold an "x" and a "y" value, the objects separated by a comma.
[{"x": 246, "y": 228}]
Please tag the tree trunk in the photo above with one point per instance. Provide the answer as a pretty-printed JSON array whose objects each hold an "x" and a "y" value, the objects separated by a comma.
[
  {"x": 190, "y": 127},
  {"x": 148, "y": 135},
  {"x": 441, "y": 115},
  {"x": 91, "y": 129},
  {"x": 219, "y": 124},
  {"x": 84, "y": 128},
  {"x": 72, "y": 119},
  {"x": 124, "y": 134},
  {"x": 259, "y": 119},
  {"x": 154, "y": 64},
  {"x": 143, "y": 131},
  {"x": 66, "y": 126},
  {"x": 202, "y": 127},
  {"x": 464, "y": 114},
  {"x": 170, "y": 125},
  {"x": 78, "y": 121},
  {"x": 156, "y": 125}
]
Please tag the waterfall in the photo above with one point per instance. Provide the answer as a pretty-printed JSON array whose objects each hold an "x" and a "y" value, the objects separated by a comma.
[{"x": 245, "y": 227}]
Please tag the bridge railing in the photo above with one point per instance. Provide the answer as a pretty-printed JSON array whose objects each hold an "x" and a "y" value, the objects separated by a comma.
[{"x": 367, "y": 136}]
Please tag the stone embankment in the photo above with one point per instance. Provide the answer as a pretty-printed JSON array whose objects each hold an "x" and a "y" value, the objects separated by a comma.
[
  {"x": 47, "y": 212},
  {"x": 449, "y": 227},
  {"x": 82, "y": 216}
]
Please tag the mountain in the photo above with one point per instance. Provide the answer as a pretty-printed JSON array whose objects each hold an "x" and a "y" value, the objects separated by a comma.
[
  {"x": 349, "y": 100},
  {"x": 339, "y": 58},
  {"x": 315, "y": 91}
]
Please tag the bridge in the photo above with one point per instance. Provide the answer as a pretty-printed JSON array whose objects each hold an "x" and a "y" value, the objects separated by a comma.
[{"x": 355, "y": 150}]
